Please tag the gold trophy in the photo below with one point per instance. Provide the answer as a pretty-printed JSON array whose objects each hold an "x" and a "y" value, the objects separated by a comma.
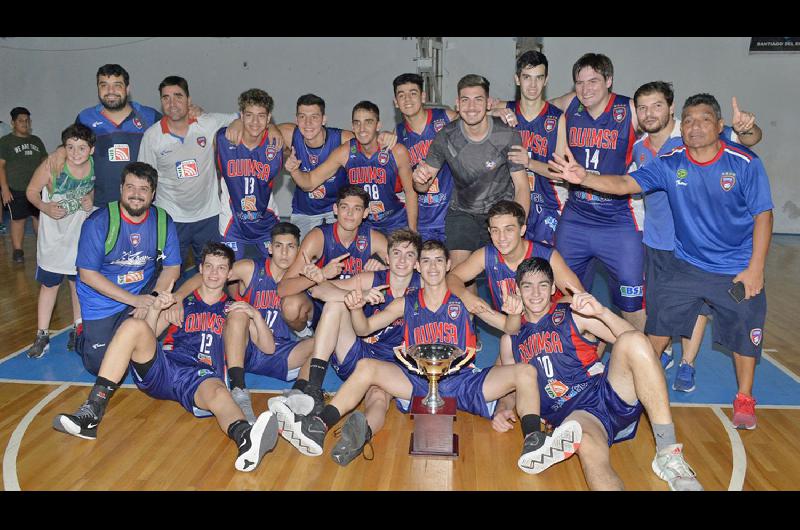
[{"x": 434, "y": 415}]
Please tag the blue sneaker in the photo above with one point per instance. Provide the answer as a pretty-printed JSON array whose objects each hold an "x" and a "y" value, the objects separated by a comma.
[
  {"x": 684, "y": 379},
  {"x": 666, "y": 359}
]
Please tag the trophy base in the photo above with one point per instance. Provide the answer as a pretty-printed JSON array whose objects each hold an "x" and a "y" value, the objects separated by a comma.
[{"x": 433, "y": 431}]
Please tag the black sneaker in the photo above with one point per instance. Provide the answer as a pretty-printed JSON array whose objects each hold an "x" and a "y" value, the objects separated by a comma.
[
  {"x": 319, "y": 398},
  {"x": 82, "y": 424},
  {"x": 305, "y": 433},
  {"x": 355, "y": 434},
  {"x": 18, "y": 256},
  {"x": 259, "y": 440},
  {"x": 540, "y": 451},
  {"x": 40, "y": 345}
]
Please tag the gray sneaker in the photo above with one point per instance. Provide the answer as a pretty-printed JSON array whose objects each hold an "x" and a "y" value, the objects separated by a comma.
[
  {"x": 242, "y": 398},
  {"x": 40, "y": 345},
  {"x": 355, "y": 434},
  {"x": 669, "y": 465},
  {"x": 540, "y": 451}
]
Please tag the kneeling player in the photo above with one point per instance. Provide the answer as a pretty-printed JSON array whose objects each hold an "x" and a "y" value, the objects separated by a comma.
[
  {"x": 433, "y": 315},
  {"x": 575, "y": 387},
  {"x": 186, "y": 369}
]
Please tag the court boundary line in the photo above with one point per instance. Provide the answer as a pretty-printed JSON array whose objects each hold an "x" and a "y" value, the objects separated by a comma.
[
  {"x": 10, "y": 478},
  {"x": 26, "y": 348},
  {"x": 738, "y": 454}
]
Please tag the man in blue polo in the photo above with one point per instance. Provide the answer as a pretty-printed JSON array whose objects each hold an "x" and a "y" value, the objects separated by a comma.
[
  {"x": 721, "y": 205},
  {"x": 116, "y": 275},
  {"x": 118, "y": 123}
]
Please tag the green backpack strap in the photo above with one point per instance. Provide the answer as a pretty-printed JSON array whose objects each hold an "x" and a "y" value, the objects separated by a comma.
[
  {"x": 162, "y": 232},
  {"x": 113, "y": 226}
]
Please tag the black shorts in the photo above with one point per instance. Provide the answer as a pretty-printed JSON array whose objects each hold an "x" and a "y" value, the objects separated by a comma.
[
  {"x": 20, "y": 207},
  {"x": 683, "y": 293},
  {"x": 466, "y": 231}
]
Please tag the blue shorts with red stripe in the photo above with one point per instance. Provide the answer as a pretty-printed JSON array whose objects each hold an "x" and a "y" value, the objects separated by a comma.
[
  {"x": 466, "y": 386},
  {"x": 271, "y": 364}
]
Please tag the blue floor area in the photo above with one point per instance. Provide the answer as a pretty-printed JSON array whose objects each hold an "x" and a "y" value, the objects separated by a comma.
[{"x": 715, "y": 377}]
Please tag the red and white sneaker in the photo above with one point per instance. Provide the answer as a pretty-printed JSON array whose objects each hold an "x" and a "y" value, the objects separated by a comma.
[{"x": 744, "y": 412}]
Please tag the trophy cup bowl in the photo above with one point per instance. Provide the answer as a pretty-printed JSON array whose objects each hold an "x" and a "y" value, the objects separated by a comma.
[{"x": 434, "y": 360}]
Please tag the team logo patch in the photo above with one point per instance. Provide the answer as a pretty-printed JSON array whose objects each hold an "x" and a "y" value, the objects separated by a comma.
[
  {"x": 249, "y": 203},
  {"x": 187, "y": 169},
  {"x": 271, "y": 152},
  {"x": 383, "y": 157},
  {"x": 314, "y": 159},
  {"x": 201, "y": 141},
  {"x": 556, "y": 389},
  {"x": 137, "y": 122},
  {"x": 318, "y": 193},
  {"x": 233, "y": 245},
  {"x": 490, "y": 164},
  {"x": 755, "y": 336},
  {"x": 453, "y": 310},
  {"x": 135, "y": 239},
  {"x": 619, "y": 113},
  {"x": 119, "y": 153},
  {"x": 361, "y": 243},
  {"x": 131, "y": 277},
  {"x": 558, "y": 316},
  {"x": 549, "y": 124},
  {"x": 727, "y": 181},
  {"x": 682, "y": 174},
  {"x": 438, "y": 125}
]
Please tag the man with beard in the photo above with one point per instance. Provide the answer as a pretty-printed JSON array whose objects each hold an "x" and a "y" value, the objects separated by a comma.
[
  {"x": 119, "y": 258},
  {"x": 118, "y": 123}
]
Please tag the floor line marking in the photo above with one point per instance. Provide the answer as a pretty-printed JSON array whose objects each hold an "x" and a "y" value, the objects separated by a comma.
[
  {"x": 26, "y": 348},
  {"x": 780, "y": 367},
  {"x": 737, "y": 449}
]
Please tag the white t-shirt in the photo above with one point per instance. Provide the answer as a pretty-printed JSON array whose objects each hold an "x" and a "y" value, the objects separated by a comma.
[{"x": 187, "y": 180}]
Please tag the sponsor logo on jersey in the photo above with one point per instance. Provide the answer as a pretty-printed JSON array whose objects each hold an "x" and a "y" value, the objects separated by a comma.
[
  {"x": 138, "y": 123},
  {"x": 438, "y": 125},
  {"x": 361, "y": 243},
  {"x": 97, "y": 124},
  {"x": 205, "y": 359},
  {"x": 201, "y": 141},
  {"x": 631, "y": 291},
  {"x": 119, "y": 153},
  {"x": 203, "y": 372},
  {"x": 755, "y": 336},
  {"x": 551, "y": 222},
  {"x": 383, "y": 157},
  {"x": 453, "y": 310},
  {"x": 135, "y": 239},
  {"x": 132, "y": 259},
  {"x": 549, "y": 124},
  {"x": 271, "y": 152},
  {"x": 727, "y": 181},
  {"x": 556, "y": 389},
  {"x": 249, "y": 203},
  {"x": 187, "y": 169},
  {"x": 318, "y": 193},
  {"x": 619, "y": 112},
  {"x": 353, "y": 150},
  {"x": 682, "y": 174},
  {"x": 558, "y": 316},
  {"x": 490, "y": 164},
  {"x": 231, "y": 244},
  {"x": 131, "y": 277}
]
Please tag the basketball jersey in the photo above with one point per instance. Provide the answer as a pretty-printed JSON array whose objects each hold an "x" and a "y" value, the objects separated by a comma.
[
  {"x": 199, "y": 339},
  {"x": 602, "y": 146},
  {"x": 498, "y": 272},
  {"x": 360, "y": 249},
  {"x": 540, "y": 137},
  {"x": 565, "y": 361},
  {"x": 392, "y": 335},
  {"x": 433, "y": 204},
  {"x": 249, "y": 176},
  {"x": 378, "y": 176},
  {"x": 450, "y": 324},
  {"x": 321, "y": 199},
  {"x": 262, "y": 294}
]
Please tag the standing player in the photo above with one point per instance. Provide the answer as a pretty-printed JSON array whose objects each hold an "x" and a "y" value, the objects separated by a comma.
[
  {"x": 382, "y": 173},
  {"x": 559, "y": 341},
  {"x": 721, "y": 252},
  {"x": 187, "y": 368},
  {"x": 601, "y": 130},
  {"x": 433, "y": 315},
  {"x": 416, "y": 132},
  {"x": 249, "y": 170}
]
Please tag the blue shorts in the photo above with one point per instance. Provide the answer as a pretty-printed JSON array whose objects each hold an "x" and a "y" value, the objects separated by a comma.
[
  {"x": 390, "y": 223},
  {"x": 172, "y": 381},
  {"x": 51, "y": 279},
  {"x": 465, "y": 385},
  {"x": 238, "y": 246},
  {"x": 196, "y": 235},
  {"x": 91, "y": 343},
  {"x": 428, "y": 233},
  {"x": 360, "y": 350},
  {"x": 619, "y": 248},
  {"x": 271, "y": 364},
  {"x": 542, "y": 223},
  {"x": 619, "y": 419},
  {"x": 686, "y": 289}
]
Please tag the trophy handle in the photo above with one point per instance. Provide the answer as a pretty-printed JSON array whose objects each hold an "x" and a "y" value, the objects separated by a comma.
[
  {"x": 468, "y": 356},
  {"x": 399, "y": 352}
]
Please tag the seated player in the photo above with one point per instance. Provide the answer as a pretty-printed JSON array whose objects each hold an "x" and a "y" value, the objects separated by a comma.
[
  {"x": 342, "y": 249},
  {"x": 433, "y": 315},
  {"x": 336, "y": 340},
  {"x": 187, "y": 368},
  {"x": 574, "y": 386},
  {"x": 500, "y": 259}
]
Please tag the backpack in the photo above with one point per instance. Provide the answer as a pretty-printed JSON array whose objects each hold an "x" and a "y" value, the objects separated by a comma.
[{"x": 113, "y": 230}]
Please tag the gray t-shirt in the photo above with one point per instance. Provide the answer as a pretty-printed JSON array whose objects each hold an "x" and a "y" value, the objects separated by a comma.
[{"x": 481, "y": 170}]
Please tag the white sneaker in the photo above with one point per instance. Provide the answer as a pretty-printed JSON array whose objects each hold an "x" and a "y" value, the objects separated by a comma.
[{"x": 670, "y": 466}]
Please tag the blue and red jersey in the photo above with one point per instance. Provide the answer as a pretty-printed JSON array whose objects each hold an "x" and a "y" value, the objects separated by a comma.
[
  {"x": 498, "y": 272},
  {"x": 198, "y": 342},
  {"x": 389, "y": 337},
  {"x": 360, "y": 249},
  {"x": 262, "y": 294},
  {"x": 321, "y": 199},
  {"x": 449, "y": 324},
  {"x": 378, "y": 176}
]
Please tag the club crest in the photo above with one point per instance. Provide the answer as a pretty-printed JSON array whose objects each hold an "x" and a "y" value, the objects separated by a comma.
[
  {"x": 201, "y": 141},
  {"x": 549, "y": 124},
  {"x": 383, "y": 157},
  {"x": 438, "y": 125},
  {"x": 271, "y": 152},
  {"x": 727, "y": 181},
  {"x": 361, "y": 243},
  {"x": 318, "y": 193},
  {"x": 135, "y": 239},
  {"x": 453, "y": 310},
  {"x": 755, "y": 336},
  {"x": 137, "y": 123},
  {"x": 558, "y": 316},
  {"x": 314, "y": 159},
  {"x": 619, "y": 113}
]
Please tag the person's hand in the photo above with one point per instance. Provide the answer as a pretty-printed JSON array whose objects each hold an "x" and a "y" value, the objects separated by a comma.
[
  {"x": 334, "y": 267},
  {"x": 311, "y": 271},
  {"x": 355, "y": 299},
  {"x": 504, "y": 420},
  {"x": 512, "y": 301},
  {"x": 243, "y": 307},
  {"x": 54, "y": 210},
  {"x": 275, "y": 137},
  {"x": 742, "y": 121},
  {"x": 518, "y": 155},
  {"x": 387, "y": 140},
  {"x": 373, "y": 265},
  {"x": 565, "y": 168},
  {"x": 235, "y": 131},
  {"x": 423, "y": 173},
  {"x": 164, "y": 299},
  {"x": 584, "y": 303},
  {"x": 375, "y": 295},
  {"x": 7, "y": 196},
  {"x": 753, "y": 280},
  {"x": 475, "y": 304},
  {"x": 87, "y": 203},
  {"x": 174, "y": 314},
  {"x": 292, "y": 163},
  {"x": 195, "y": 111},
  {"x": 508, "y": 116}
]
